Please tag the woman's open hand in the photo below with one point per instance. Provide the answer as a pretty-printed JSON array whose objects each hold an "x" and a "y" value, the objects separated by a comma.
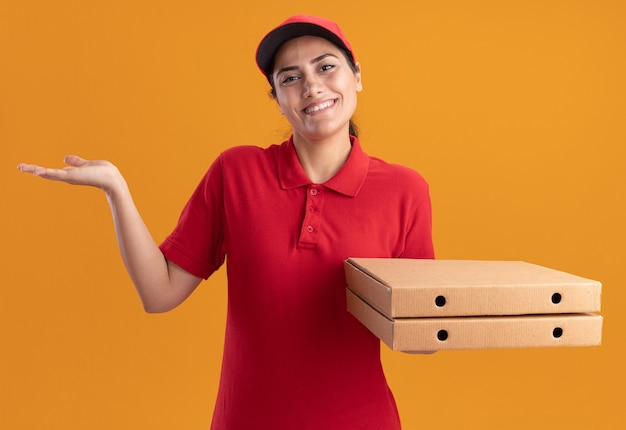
[
  {"x": 161, "y": 284},
  {"x": 96, "y": 173}
]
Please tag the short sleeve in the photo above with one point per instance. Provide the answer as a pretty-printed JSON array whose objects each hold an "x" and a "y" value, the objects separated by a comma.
[
  {"x": 197, "y": 242},
  {"x": 419, "y": 240}
]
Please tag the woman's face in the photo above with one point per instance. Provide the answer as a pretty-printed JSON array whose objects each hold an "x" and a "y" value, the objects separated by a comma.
[{"x": 315, "y": 88}]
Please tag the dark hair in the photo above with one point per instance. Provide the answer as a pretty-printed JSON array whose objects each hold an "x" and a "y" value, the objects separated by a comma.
[{"x": 354, "y": 130}]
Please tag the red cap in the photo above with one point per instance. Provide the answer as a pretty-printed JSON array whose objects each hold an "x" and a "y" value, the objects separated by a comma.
[{"x": 297, "y": 26}]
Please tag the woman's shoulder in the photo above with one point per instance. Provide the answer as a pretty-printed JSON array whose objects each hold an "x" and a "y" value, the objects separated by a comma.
[
  {"x": 246, "y": 154},
  {"x": 399, "y": 173},
  {"x": 246, "y": 151}
]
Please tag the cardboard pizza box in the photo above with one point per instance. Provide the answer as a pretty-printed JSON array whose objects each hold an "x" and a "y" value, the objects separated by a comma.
[
  {"x": 453, "y": 333},
  {"x": 443, "y": 288}
]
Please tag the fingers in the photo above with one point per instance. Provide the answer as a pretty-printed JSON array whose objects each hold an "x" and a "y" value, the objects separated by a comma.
[
  {"x": 48, "y": 173},
  {"x": 43, "y": 172},
  {"x": 23, "y": 167},
  {"x": 31, "y": 168},
  {"x": 74, "y": 160}
]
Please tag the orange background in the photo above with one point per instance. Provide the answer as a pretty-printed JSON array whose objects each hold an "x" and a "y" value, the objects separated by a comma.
[{"x": 513, "y": 110}]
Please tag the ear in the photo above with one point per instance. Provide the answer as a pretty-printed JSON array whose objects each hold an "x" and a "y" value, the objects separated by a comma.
[{"x": 357, "y": 76}]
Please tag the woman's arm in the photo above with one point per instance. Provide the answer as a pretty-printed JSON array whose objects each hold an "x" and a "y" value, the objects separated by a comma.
[{"x": 161, "y": 284}]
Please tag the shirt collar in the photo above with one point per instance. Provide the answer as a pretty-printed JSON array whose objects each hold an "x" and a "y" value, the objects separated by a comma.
[{"x": 347, "y": 181}]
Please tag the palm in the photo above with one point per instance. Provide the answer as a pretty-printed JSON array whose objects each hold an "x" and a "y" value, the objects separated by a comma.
[{"x": 95, "y": 173}]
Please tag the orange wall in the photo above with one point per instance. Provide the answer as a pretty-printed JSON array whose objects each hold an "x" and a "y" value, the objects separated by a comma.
[{"x": 513, "y": 110}]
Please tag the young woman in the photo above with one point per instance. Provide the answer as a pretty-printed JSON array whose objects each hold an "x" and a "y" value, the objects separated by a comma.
[{"x": 285, "y": 217}]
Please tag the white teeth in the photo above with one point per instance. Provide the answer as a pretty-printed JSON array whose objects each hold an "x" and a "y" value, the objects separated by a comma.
[{"x": 319, "y": 107}]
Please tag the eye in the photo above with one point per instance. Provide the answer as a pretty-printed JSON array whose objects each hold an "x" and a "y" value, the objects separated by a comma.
[
  {"x": 289, "y": 79},
  {"x": 327, "y": 67}
]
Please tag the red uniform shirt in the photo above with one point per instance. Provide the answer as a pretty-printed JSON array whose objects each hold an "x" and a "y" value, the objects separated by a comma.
[{"x": 294, "y": 358}]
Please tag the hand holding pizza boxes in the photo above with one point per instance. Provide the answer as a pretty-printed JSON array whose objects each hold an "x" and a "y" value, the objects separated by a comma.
[{"x": 429, "y": 305}]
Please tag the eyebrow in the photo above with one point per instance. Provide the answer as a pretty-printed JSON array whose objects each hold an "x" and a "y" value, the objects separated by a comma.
[{"x": 313, "y": 61}]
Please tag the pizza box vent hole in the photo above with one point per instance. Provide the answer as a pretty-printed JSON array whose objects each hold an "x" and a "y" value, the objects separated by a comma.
[{"x": 440, "y": 301}]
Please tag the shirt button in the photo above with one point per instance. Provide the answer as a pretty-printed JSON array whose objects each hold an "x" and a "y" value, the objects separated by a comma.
[
  {"x": 310, "y": 229},
  {"x": 311, "y": 209},
  {"x": 314, "y": 191}
]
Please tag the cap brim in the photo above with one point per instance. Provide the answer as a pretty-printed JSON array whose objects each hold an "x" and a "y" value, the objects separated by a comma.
[{"x": 276, "y": 38}]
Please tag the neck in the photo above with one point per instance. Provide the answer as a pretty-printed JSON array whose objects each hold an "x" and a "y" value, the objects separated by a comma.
[{"x": 321, "y": 160}]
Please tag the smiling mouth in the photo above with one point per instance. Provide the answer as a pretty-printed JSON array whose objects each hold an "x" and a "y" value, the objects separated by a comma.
[{"x": 320, "y": 107}]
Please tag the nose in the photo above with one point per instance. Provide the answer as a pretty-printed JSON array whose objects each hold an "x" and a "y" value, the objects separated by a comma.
[{"x": 312, "y": 85}]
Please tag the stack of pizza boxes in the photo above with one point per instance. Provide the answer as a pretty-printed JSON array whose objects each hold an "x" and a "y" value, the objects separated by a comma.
[{"x": 430, "y": 305}]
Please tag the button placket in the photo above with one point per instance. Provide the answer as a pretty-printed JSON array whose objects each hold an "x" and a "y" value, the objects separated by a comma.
[{"x": 310, "y": 229}]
